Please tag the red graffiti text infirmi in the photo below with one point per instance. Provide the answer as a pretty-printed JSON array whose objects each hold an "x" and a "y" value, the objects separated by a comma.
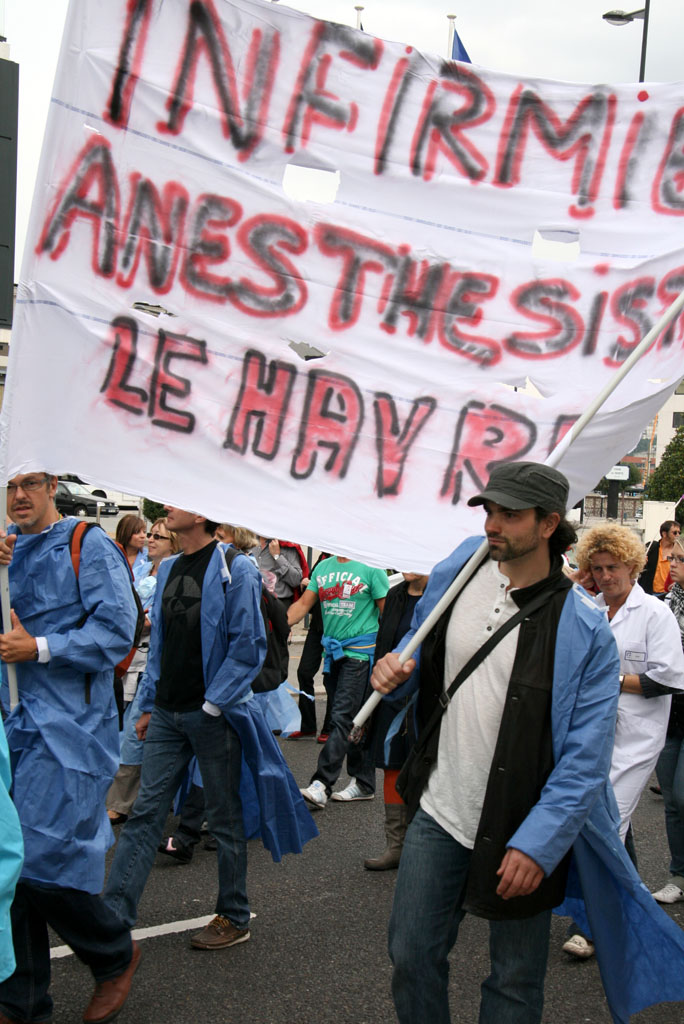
[{"x": 420, "y": 120}]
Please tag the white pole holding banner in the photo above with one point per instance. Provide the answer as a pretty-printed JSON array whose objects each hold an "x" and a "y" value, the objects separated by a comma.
[
  {"x": 6, "y": 605},
  {"x": 451, "y": 18},
  {"x": 554, "y": 458}
]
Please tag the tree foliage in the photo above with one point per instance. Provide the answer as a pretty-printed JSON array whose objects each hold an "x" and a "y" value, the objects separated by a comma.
[
  {"x": 152, "y": 510},
  {"x": 642, "y": 446},
  {"x": 666, "y": 483}
]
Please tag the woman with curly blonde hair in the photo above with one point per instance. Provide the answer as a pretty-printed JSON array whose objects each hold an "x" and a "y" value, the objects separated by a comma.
[
  {"x": 651, "y": 669},
  {"x": 615, "y": 540}
]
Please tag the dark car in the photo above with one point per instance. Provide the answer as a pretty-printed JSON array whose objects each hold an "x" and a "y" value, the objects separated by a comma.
[{"x": 74, "y": 499}]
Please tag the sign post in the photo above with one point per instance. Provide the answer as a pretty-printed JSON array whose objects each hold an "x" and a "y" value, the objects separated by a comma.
[{"x": 615, "y": 476}]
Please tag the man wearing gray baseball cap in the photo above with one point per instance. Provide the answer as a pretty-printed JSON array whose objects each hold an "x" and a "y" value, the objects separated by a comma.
[
  {"x": 517, "y": 688},
  {"x": 521, "y": 485}
]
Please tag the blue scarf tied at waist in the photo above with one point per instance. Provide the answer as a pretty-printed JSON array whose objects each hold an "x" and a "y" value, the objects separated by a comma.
[{"x": 336, "y": 649}]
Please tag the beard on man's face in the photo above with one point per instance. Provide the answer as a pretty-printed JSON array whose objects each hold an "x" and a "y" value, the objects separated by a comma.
[{"x": 503, "y": 549}]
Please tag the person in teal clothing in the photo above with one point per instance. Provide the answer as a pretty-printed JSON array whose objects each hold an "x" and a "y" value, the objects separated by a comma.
[
  {"x": 67, "y": 634},
  {"x": 11, "y": 859},
  {"x": 352, "y": 596}
]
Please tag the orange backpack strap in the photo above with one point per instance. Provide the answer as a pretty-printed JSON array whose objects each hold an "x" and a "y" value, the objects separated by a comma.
[
  {"x": 76, "y": 543},
  {"x": 75, "y": 546},
  {"x": 122, "y": 549}
]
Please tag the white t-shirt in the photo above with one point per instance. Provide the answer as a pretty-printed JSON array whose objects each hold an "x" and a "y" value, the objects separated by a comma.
[{"x": 470, "y": 726}]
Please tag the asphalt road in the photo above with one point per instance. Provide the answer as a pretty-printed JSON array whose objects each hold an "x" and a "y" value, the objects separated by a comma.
[{"x": 318, "y": 949}]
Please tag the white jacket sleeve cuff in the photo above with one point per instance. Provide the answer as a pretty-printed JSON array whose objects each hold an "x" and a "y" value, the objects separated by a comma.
[
  {"x": 43, "y": 649},
  {"x": 211, "y": 709}
]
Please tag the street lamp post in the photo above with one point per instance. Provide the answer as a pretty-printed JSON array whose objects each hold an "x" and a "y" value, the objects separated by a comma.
[{"x": 624, "y": 18}]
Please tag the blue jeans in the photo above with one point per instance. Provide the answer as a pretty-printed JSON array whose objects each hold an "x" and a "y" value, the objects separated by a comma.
[
  {"x": 172, "y": 739},
  {"x": 670, "y": 772},
  {"x": 426, "y": 915},
  {"x": 189, "y": 830},
  {"x": 96, "y": 935},
  {"x": 349, "y": 680}
]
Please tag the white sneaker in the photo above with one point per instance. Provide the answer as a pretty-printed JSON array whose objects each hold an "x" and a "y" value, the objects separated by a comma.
[
  {"x": 578, "y": 946},
  {"x": 352, "y": 792},
  {"x": 669, "y": 893},
  {"x": 315, "y": 795}
]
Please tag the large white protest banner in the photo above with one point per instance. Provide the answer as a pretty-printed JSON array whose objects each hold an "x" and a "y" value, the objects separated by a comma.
[{"x": 160, "y": 185}]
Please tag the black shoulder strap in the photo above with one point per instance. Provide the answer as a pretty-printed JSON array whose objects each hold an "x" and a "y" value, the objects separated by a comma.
[{"x": 479, "y": 655}]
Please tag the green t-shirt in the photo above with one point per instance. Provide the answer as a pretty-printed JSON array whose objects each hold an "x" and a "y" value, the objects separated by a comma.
[{"x": 347, "y": 592}]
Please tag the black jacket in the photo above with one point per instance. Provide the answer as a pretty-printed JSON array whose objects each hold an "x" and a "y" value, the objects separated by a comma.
[
  {"x": 648, "y": 574},
  {"x": 395, "y": 603},
  {"x": 395, "y": 607}
]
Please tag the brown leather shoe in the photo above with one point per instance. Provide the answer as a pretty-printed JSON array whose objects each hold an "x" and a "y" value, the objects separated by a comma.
[
  {"x": 218, "y": 934},
  {"x": 109, "y": 996}
]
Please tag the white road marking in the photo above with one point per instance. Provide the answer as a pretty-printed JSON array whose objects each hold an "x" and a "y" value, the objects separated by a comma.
[{"x": 57, "y": 952}]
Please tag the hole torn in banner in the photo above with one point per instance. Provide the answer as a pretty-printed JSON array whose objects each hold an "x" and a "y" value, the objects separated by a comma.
[
  {"x": 306, "y": 351},
  {"x": 560, "y": 245},
  {"x": 310, "y": 184},
  {"x": 153, "y": 310}
]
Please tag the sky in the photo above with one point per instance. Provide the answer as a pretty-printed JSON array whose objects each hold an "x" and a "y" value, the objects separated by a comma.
[{"x": 556, "y": 39}]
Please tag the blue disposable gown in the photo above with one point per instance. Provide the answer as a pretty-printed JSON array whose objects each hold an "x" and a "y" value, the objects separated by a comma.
[
  {"x": 64, "y": 751},
  {"x": 639, "y": 949},
  {"x": 233, "y": 649},
  {"x": 11, "y": 857}
]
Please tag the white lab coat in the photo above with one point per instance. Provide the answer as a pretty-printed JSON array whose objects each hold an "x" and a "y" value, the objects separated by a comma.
[{"x": 648, "y": 641}]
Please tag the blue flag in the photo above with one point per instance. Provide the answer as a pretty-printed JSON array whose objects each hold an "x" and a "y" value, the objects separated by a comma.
[{"x": 458, "y": 50}]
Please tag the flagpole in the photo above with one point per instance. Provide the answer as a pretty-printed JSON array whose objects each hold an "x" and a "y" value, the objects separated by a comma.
[
  {"x": 6, "y": 605},
  {"x": 554, "y": 458},
  {"x": 358, "y": 10},
  {"x": 451, "y": 18}
]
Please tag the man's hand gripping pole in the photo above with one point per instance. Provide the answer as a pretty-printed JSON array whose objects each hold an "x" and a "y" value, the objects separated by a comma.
[{"x": 416, "y": 640}]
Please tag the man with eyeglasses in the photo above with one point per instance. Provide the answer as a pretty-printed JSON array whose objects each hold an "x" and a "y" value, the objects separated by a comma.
[
  {"x": 653, "y": 579},
  {"x": 66, "y": 636}
]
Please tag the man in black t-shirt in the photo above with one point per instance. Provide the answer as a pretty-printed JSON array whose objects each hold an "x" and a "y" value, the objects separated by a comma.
[{"x": 207, "y": 645}]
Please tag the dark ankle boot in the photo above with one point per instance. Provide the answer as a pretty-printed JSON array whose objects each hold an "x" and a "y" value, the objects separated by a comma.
[{"x": 395, "y": 830}]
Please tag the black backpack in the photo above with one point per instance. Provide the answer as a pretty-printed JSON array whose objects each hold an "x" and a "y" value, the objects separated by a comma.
[{"x": 273, "y": 671}]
